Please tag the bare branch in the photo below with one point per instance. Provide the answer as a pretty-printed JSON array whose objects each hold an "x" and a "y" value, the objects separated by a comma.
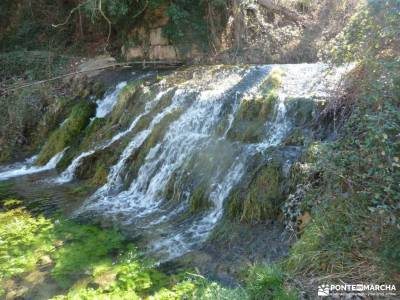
[{"x": 107, "y": 20}]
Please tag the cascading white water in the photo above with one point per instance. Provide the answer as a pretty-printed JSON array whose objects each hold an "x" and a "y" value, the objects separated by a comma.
[
  {"x": 142, "y": 195},
  {"x": 28, "y": 167},
  {"x": 106, "y": 105},
  {"x": 184, "y": 137},
  {"x": 202, "y": 104},
  {"x": 68, "y": 174}
]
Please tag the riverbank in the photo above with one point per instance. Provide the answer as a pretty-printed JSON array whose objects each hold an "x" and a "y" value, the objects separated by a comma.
[{"x": 52, "y": 258}]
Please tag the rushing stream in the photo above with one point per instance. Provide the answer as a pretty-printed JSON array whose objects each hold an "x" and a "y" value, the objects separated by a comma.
[{"x": 196, "y": 149}]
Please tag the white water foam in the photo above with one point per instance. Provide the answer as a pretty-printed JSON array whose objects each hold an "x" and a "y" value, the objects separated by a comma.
[
  {"x": 68, "y": 174},
  {"x": 204, "y": 101},
  {"x": 106, "y": 105},
  {"x": 29, "y": 168}
]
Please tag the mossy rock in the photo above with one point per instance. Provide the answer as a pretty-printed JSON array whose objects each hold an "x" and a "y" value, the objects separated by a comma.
[
  {"x": 196, "y": 176},
  {"x": 93, "y": 134},
  {"x": 199, "y": 200},
  {"x": 273, "y": 81},
  {"x": 302, "y": 111},
  {"x": 129, "y": 103},
  {"x": 95, "y": 167},
  {"x": 68, "y": 132},
  {"x": 261, "y": 198},
  {"x": 251, "y": 117}
]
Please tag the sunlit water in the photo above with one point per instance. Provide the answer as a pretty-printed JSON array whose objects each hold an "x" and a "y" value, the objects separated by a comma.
[{"x": 205, "y": 102}]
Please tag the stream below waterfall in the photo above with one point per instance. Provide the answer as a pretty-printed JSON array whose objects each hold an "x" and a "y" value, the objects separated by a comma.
[{"x": 178, "y": 151}]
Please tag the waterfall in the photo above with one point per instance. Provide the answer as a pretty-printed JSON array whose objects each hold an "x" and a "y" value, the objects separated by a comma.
[
  {"x": 28, "y": 167},
  {"x": 105, "y": 105},
  {"x": 194, "y": 151},
  {"x": 68, "y": 174},
  {"x": 184, "y": 137}
]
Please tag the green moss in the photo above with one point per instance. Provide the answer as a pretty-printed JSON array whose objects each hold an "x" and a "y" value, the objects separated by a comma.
[
  {"x": 199, "y": 199},
  {"x": 66, "y": 134},
  {"x": 261, "y": 199},
  {"x": 84, "y": 247},
  {"x": 87, "y": 262},
  {"x": 273, "y": 81},
  {"x": 93, "y": 134},
  {"x": 24, "y": 240},
  {"x": 95, "y": 167},
  {"x": 100, "y": 175},
  {"x": 251, "y": 117},
  {"x": 129, "y": 103},
  {"x": 98, "y": 89}
]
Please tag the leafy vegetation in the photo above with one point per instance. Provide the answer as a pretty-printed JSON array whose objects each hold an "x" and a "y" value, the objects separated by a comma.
[
  {"x": 354, "y": 190},
  {"x": 87, "y": 262}
]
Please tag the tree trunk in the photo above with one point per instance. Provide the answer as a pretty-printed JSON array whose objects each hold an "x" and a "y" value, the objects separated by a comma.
[{"x": 239, "y": 26}]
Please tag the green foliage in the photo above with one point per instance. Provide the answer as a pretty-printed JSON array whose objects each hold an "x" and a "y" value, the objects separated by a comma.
[
  {"x": 27, "y": 26},
  {"x": 11, "y": 203},
  {"x": 27, "y": 116},
  {"x": 206, "y": 290},
  {"x": 267, "y": 283},
  {"x": 187, "y": 24},
  {"x": 356, "y": 195},
  {"x": 24, "y": 240},
  {"x": 84, "y": 246},
  {"x": 373, "y": 33},
  {"x": 354, "y": 192},
  {"x": 117, "y": 11},
  {"x": 68, "y": 132},
  {"x": 92, "y": 263}
]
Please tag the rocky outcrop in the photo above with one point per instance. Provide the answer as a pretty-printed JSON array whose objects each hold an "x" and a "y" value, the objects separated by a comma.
[{"x": 147, "y": 42}]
